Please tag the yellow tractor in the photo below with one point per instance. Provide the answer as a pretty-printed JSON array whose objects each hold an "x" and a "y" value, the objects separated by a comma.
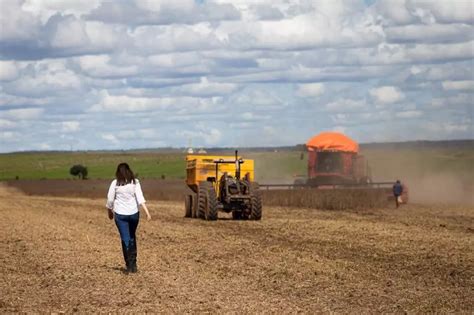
[{"x": 218, "y": 185}]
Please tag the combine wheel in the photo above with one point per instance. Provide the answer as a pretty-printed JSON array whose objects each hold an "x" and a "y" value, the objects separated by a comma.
[
  {"x": 188, "y": 206},
  {"x": 255, "y": 202},
  {"x": 201, "y": 200}
]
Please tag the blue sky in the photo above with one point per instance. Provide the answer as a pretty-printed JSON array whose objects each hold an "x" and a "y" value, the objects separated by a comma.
[{"x": 133, "y": 74}]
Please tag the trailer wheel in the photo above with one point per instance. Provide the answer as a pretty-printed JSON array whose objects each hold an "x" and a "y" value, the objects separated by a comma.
[
  {"x": 201, "y": 200},
  {"x": 211, "y": 209},
  {"x": 255, "y": 202},
  {"x": 188, "y": 205},
  {"x": 194, "y": 206}
]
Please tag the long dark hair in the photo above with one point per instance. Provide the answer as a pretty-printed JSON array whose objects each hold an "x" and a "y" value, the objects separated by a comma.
[{"x": 124, "y": 174}]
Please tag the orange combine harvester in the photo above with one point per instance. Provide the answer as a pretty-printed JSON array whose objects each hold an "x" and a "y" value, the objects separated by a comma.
[
  {"x": 334, "y": 162},
  {"x": 334, "y": 158}
]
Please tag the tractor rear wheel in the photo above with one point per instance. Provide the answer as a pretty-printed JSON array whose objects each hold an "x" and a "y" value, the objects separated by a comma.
[
  {"x": 188, "y": 206},
  {"x": 201, "y": 200},
  {"x": 255, "y": 202}
]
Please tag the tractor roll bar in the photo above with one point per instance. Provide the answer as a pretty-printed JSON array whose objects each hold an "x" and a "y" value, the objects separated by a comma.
[{"x": 237, "y": 162}]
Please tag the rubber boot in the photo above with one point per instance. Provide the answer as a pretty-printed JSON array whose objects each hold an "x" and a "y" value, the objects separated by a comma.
[
  {"x": 126, "y": 254},
  {"x": 133, "y": 255}
]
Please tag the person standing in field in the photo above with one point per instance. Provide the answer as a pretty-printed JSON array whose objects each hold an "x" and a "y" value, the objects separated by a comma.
[
  {"x": 397, "y": 192},
  {"x": 124, "y": 198}
]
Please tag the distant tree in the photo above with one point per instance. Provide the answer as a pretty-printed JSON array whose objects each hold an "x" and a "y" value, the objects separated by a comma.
[{"x": 79, "y": 171}]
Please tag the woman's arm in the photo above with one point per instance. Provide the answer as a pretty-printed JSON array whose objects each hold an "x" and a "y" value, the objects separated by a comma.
[
  {"x": 110, "y": 199},
  {"x": 141, "y": 199}
]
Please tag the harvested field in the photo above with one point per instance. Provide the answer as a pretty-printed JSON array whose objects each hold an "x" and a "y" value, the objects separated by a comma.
[
  {"x": 156, "y": 189},
  {"x": 62, "y": 254}
]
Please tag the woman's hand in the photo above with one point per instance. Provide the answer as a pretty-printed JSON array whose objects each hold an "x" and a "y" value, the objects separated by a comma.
[
  {"x": 110, "y": 213},
  {"x": 148, "y": 216}
]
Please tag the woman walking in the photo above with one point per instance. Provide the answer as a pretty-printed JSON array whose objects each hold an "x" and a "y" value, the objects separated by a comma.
[{"x": 123, "y": 200}]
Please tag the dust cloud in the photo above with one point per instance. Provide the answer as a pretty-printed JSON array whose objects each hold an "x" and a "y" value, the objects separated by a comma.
[{"x": 441, "y": 188}]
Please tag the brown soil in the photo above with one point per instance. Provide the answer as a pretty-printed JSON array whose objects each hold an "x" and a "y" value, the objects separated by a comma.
[{"x": 62, "y": 254}]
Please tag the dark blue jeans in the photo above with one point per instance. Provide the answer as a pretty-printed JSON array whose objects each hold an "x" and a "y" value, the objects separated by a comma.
[{"x": 127, "y": 226}]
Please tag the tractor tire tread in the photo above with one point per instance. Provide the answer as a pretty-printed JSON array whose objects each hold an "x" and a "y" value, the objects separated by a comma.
[{"x": 256, "y": 202}]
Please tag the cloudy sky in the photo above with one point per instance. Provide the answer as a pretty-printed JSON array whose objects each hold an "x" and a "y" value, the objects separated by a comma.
[{"x": 141, "y": 74}]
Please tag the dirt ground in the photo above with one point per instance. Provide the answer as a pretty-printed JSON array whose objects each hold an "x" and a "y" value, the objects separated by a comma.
[{"x": 62, "y": 254}]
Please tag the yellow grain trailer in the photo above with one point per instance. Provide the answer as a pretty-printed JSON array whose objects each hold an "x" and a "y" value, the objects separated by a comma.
[{"x": 221, "y": 183}]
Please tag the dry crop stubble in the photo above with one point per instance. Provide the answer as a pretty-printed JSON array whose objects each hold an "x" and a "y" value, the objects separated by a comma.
[
  {"x": 329, "y": 199},
  {"x": 63, "y": 254}
]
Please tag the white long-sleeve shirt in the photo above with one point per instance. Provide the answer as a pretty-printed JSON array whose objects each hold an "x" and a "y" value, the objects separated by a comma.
[{"x": 125, "y": 199}]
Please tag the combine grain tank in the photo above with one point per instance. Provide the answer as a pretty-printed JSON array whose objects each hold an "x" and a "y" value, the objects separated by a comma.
[{"x": 221, "y": 183}]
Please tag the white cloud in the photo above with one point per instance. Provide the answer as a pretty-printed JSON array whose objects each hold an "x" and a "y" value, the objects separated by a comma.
[
  {"x": 456, "y": 100},
  {"x": 110, "y": 137},
  {"x": 9, "y": 136},
  {"x": 70, "y": 33},
  {"x": 177, "y": 59},
  {"x": 427, "y": 11},
  {"x": 455, "y": 127},
  {"x": 101, "y": 66},
  {"x": 340, "y": 129},
  {"x": 395, "y": 11},
  {"x": 444, "y": 11},
  {"x": 16, "y": 24},
  {"x": 146, "y": 133},
  {"x": 409, "y": 114},
  {"x": 45, "y": 9},
  {"x": 311, "y": 89},
  {"x": 208, "y": 135},
  {"x": 8, "y": 70},
  {"x": 258, "y": 98},
  {"x": 4, "y": 124},
  {"x": 343, "y": 105},
  {"x": 49, "y": 78},
  {"x": 387, "y": 94},
  {"x": 159, "y": 12},
  {"x": 311, "y": 29},
  {"x": 205, "y": 88},
  {"x": 44, "y": 146},
  {"x": 175, "y": 38},
  {"x": 70, "y": 126},
  {"x": 435, "y": 33},
  {"x": 458, "y": 85},
  {"x": 22, "y": 113},
  {"x": 125, "y": 103}
]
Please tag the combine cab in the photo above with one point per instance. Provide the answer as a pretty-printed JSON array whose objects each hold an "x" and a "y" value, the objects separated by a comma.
[{"x": 217, "y": 185}]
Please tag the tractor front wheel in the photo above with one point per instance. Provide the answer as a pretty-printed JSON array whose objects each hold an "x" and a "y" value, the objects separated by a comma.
[{"x": 255, "y": 202}]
